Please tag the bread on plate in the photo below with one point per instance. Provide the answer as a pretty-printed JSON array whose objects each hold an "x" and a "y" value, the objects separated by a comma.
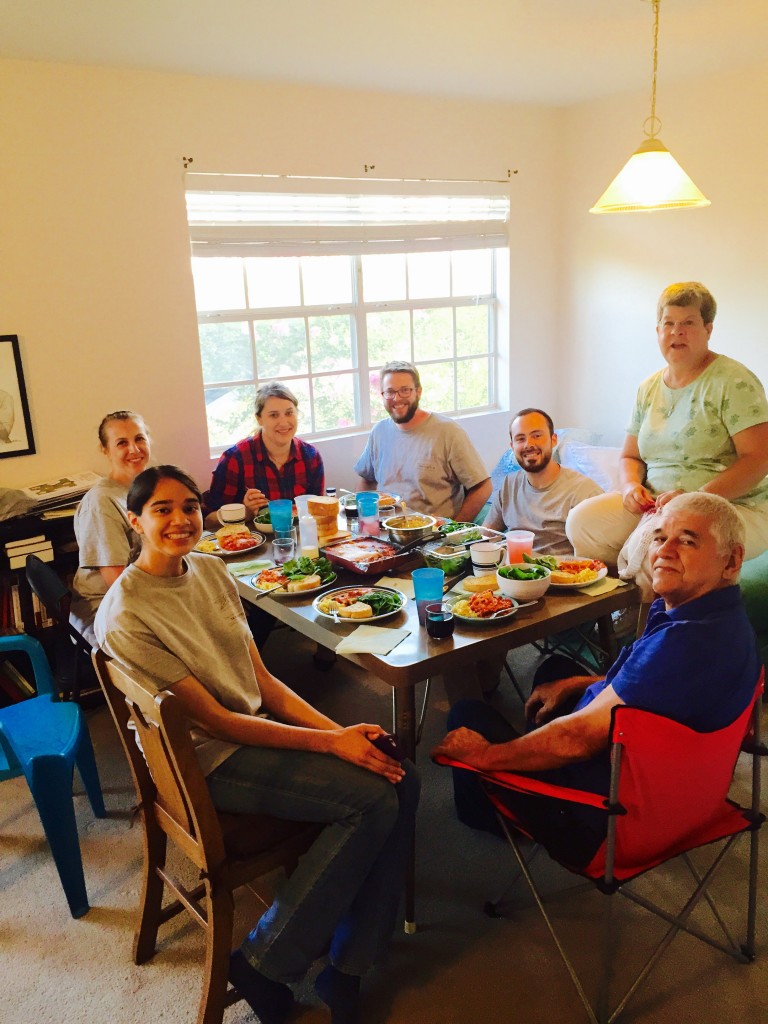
[
  {"x": 477, "y": 584},
  {"x": 358, "y": 610},
  {"x": 305, "y": 583}
]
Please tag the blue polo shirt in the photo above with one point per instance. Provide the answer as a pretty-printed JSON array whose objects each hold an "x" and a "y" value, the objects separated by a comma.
[{"x": 697, "y": 664}]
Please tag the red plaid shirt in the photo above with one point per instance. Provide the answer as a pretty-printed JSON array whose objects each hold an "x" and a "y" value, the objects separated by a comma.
[{"x": 247, "y": 464}]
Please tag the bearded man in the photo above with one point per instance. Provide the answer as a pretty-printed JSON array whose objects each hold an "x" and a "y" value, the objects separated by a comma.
[
  {"x": 424, "y": 457},
  {"x": 540, "y": 498}
]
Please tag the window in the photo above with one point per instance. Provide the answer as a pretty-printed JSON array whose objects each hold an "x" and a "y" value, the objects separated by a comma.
[{"x": 323, "y": 306}]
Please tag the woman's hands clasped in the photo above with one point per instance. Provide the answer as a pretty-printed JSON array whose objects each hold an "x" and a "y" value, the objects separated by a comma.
[{"x": 354, "y": 744}]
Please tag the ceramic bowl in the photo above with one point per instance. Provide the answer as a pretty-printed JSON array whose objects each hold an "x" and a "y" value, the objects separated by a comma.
[{"x": 523, "y": 590}]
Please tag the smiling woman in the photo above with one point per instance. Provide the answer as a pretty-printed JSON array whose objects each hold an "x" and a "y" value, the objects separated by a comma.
[{"x": 104, "y": 535}]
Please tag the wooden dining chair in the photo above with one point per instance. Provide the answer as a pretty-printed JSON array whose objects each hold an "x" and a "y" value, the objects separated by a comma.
[{"x": 228, "y": 850}]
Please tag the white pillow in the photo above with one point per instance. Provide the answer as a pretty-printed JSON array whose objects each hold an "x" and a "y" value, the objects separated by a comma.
[{"x": 599, "y": 464}]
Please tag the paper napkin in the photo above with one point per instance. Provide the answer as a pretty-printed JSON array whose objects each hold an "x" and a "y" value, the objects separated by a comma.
[
  {"x": 371, "y": 640},
  {"x": 603, "y": 586},
  {"x": 404, "y": 586},
  {"x": 249, "y": 568}
]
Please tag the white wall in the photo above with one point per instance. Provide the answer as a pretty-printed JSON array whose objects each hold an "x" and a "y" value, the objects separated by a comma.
[
  {"x": 619, "y": 264},
  {"x": 95, "y": 274}
]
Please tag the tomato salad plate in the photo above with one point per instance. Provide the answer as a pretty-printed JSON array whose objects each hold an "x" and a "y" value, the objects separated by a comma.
[
  {"x": 227, "y": 547},
  {"x": 359, "y": 604},
  {"x": 486, "y": 606},
  {"x": 577, "y": 572}
]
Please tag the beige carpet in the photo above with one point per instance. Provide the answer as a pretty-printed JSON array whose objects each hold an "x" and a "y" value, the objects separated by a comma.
[{"x": 460, "y": 968}]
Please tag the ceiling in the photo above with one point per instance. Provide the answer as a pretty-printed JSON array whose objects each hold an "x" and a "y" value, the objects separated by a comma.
[{"x": 556, "y": 52}]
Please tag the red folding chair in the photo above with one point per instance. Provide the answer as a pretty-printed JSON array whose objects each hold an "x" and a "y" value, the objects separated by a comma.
[{"x": 668, "y": 795}]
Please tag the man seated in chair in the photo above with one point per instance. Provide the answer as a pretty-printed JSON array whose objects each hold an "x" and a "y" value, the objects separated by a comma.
[
  {"x": 538, "y": 498},
  {"x": 696, "y": 662}
]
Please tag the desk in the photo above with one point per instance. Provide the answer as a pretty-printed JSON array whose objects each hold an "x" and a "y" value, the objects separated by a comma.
[{"x": 418, "y": 656}]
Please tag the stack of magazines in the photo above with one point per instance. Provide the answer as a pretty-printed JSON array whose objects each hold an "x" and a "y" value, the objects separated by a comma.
[{"x": 58, "y": 493}]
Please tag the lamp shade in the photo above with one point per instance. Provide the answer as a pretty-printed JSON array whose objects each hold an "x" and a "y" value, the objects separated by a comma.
[{"x": 650, "y": 180}]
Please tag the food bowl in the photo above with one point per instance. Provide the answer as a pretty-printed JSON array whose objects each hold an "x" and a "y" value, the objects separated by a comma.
[
  {"x": 451, "y": 560},
  {"x": 523, "y": 590},
  {"x": 409, "y": 526}
]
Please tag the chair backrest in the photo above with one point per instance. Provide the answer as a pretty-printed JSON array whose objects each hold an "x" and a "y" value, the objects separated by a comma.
[
  {"x": 168, "y": 780},
  {"x": 673, "y": 784},
  {"x": 49, "y": 588}
]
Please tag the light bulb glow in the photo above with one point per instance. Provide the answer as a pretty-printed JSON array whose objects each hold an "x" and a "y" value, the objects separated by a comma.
[{"x": 650, "y": 180}]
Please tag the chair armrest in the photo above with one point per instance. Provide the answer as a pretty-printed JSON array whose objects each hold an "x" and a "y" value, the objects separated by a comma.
[{"x": 44, "y": 681}]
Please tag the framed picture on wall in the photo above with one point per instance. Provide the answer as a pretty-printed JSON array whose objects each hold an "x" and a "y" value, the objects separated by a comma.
[{"x": 15, "y": 425}]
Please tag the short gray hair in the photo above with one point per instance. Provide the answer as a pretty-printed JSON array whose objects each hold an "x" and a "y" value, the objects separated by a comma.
[
  {"x": 273, "y": 390},
  {"x": 726, "y": 523},
  {"x": 688, "y": 293}
]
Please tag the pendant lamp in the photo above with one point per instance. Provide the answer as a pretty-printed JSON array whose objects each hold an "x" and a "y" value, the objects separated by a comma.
[{"x": 651, "y": 179}]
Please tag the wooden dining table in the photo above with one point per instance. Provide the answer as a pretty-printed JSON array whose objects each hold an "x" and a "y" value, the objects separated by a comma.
[{"x": 418, "y": 657}]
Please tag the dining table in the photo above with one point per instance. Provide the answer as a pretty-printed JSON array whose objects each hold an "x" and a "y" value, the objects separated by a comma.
[{"x": 417, "y": 657}]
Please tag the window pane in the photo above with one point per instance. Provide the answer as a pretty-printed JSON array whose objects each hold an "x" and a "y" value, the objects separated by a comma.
[
  {"x": 226, "y": 352},
  {"x": 335, "y": 401},
  {"x": 273, "y": 282},
  {"x": 389, "y": 336},
  {"x": 437, "y": 382},
  {"x": 218, "y": 282},
  {"x": 429, "y": 275},
  {"x": 432, "y": 333},
  {"x": 281, "y": 347},
  {"x": 471, "y": 330},
  {"x": 300, "y": 388},
  {"x": 473, "y": 380},
  {"x": 327, "y": 279},
  {"x": 330, "y": 343},
  {"x": 230, "y": 414},
  {"x": 378, "y": 412},
  {"x": 384, "y": 277},
  {"x": 472, "y": 272}
]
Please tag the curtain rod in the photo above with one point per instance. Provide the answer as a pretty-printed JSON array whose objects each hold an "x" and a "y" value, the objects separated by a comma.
[{"x": 187, "y": 160}]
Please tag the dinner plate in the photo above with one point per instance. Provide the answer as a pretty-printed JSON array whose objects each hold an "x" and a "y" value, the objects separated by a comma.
[
  {"x": 359, "y": 622},
  {"x": 258, "y": 540},
  {"x": 571, "y": 586},
  {"x": 478, "y": 620},
  {"x": 282, "y": 592}
]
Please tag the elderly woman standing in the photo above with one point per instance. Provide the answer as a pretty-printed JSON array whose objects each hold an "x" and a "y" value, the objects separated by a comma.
[
  {"x": 700, "y": 424},
  {"x": 272, "y": 463}
]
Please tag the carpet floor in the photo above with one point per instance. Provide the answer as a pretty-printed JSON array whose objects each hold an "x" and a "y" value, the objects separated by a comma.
[{"x": 461, "y": 967}]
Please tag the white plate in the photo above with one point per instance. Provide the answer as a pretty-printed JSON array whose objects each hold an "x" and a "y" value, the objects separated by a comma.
[
  {"x": 571, "y": 586},
  {"x": 359, "y": 622},
  {"x": 257, "y": 537},
  {"x": 475, "y": 621},
  {"x": 282, "y": 592}
]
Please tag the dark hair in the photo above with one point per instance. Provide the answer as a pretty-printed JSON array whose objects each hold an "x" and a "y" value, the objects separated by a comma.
[
  {"x": 529, "y": 412},
  {"x": 145, "y": 484},
  {"x": 688, "y": 293},
  {"x": 401, "y": 366},
  {"x": 121, "y": 414}
]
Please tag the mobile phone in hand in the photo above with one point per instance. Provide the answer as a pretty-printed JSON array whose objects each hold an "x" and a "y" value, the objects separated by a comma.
[{"x": 389, "y": 745}]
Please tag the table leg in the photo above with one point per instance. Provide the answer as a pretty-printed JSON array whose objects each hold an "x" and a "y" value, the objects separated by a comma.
[
  {"x": 607, "y": 639},
  {"x": 404, "y": 713}
]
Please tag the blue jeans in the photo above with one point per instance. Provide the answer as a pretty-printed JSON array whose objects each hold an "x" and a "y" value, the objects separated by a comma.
[{"x": 346, "y": 888}]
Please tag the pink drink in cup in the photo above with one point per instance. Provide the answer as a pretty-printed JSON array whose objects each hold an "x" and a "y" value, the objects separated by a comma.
[{"x": 519, "y": 543}]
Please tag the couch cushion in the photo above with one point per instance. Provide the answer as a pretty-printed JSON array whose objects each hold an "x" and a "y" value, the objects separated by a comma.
[{"x": 598, "y": 463}]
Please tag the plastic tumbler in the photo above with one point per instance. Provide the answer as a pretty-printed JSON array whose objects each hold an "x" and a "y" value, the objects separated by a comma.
[
  {"x": 519, "y": 543},
  {"x": 427, "y": 589},
  {"x": 368, "y": 512},
  {"x": 281, "y": 515}
]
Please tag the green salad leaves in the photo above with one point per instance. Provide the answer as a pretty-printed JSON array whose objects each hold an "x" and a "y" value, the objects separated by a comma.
[
  {"x": 382, "y": 601},
  {"x": 548, "y": 561},
  {"x": 298, "y": 568}
]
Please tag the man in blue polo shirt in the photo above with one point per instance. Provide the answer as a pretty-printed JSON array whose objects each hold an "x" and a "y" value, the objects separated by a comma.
[{"x": 697, "y": 662}]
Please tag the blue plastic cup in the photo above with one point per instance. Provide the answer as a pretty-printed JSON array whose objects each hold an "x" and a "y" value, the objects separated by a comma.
[
  {"x": 281, "y": 515},
  {"x": 367, "y": 504},
  {"x": 427, "y": 589}
]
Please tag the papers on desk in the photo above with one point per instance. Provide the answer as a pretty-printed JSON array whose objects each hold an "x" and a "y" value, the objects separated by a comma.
[
  {"x": 372, "y": 640},
  {"x": 603, "y": 586}
]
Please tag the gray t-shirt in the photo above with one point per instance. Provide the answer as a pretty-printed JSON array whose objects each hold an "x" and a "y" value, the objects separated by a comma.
[
  {"x": 430, "y": 466},
  {"x": 162, "y": 628},
  {"x": 104, "y": 537},
  {"x": 518, "y": 505}
]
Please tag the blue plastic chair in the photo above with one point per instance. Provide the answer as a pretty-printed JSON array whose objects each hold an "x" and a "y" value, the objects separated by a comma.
[{"x": 43, "y": 739}]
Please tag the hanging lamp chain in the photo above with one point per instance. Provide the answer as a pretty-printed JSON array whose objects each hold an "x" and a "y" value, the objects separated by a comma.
[{"x": 652, "y": 124}]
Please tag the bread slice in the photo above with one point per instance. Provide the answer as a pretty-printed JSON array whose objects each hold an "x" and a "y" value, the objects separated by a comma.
[
  {"x": 323, "y": 506},
  {"x": 477, "y": 584},
  {"x": 232, "y": 530},
  {"x": 358, "y": 610},
  {"x": 306, "y": 583}
]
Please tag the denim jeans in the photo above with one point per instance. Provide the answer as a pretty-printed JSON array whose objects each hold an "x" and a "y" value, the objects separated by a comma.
[{"x": 346, "y": 888}]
